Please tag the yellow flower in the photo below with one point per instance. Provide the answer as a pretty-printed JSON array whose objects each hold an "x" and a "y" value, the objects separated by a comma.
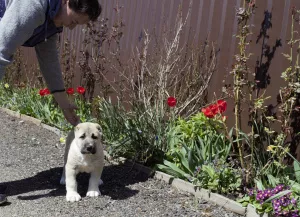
[
  {"x": 62, "y": 140},
  {"x": 271, "y": 148},
  {"x": 6, "y": 85}
]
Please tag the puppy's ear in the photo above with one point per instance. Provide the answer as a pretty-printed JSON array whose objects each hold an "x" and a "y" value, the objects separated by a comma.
[
  {"x": 77, "y": 127},
  {"x": 99, "y": 128}
]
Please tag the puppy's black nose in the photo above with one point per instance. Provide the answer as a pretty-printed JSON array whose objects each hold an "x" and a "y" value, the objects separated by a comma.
[{"x": 90, "y": 148}]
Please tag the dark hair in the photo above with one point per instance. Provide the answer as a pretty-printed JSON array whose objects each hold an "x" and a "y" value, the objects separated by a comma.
[{"x": 90, "y": 7}]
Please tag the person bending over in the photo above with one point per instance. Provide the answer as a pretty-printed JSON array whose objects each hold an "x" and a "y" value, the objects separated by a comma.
[{"x": 36, "y": 23}]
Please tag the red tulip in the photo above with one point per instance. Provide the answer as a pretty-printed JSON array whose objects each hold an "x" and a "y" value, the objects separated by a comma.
[
  {"x": 80, "y": 90},
  {"x": 70, "y": 91},
  {"x": 208, "y": 112},
  {"x": 171, "y": 101},
  {"x": 222, "y": 105},
  {"x": 44, "y": 92},
  {"x": 214, "y": 109},
  {"x": 47, "y": 91}
]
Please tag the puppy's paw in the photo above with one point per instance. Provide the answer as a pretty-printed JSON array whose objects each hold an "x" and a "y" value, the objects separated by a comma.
[
  {"x": 100, "y": 182},
  {"x": 73, "y": 196},
  {"x": 62, "y": 181},
  {"x": 93, "y": 193}
]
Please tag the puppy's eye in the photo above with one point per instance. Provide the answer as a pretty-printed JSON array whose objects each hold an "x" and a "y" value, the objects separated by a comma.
[
  {"x": 94, "y": 137},
  {"x": 82, "y": 137}
]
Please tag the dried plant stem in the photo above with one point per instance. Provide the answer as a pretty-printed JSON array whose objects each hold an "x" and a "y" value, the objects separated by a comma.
[
  {"x": 169, "y": 69},
  {"x": 240, "y": 79}
]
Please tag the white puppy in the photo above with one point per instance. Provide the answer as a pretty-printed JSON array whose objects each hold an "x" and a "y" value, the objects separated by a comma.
[{"x": 83, "y": 153}]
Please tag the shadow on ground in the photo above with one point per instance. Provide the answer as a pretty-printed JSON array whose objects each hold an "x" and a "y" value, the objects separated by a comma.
[{"x": 116, "y": 178}]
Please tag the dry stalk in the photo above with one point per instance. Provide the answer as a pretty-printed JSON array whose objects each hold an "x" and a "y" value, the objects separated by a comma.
[
  {"x": 173, "y": 69},
  {"x": 68, "y": 59}
]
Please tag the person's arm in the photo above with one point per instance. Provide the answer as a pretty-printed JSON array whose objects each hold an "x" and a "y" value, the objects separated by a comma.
[
  {"x": 47, "y": 55},
  {"x": 17, "y": 25},
  {"x": 67, "y": 107}
]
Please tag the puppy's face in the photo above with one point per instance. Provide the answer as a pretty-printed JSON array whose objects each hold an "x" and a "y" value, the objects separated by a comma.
[{"x": 88, "y": 136}]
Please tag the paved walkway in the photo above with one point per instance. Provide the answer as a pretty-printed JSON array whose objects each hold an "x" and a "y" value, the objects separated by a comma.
[{"x": 31, "y": 165}]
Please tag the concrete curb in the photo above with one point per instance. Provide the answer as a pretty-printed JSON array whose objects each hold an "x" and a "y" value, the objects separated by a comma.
[
  {"x": 31, "y": 119},
  {"x": 11, "y": 113},
  {"x": 52, "y": 129},
  {"x": 251, "y": 212},
  {"x": 177, "y": 183}
]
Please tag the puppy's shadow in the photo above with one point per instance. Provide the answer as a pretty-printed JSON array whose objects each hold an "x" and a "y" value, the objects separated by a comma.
[{"x": 116, "y": 178}]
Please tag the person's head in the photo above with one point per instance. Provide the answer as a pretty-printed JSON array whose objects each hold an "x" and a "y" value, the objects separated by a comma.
[{"x": 77, "y": 12}]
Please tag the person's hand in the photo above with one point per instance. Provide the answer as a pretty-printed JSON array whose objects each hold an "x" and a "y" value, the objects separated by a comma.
[
  {"x": 67, "y": 107},
  {"x": 71, "y": 115}
]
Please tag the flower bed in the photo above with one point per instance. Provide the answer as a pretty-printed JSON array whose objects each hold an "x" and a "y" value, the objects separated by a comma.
[
  {"x": 203, "y": 160},
  {"x": 167, "y": 123}
]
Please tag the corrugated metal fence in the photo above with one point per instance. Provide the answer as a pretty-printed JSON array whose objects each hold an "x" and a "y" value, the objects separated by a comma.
[{"x": 211, "y": 19}]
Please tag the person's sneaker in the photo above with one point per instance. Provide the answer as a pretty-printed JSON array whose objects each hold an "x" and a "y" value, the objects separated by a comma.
[{"x": 3, "y": 198}]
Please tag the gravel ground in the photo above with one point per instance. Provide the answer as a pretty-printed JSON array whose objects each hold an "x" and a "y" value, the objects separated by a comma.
[{"x": 31, "y": 164}]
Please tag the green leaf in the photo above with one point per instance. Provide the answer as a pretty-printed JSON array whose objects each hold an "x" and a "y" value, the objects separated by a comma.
[
  {"x": 244, "y": 204},
  {"x": 198, "y": 149},
  {"x": 295, "y": 187},
  {"x": 209, "y": 170},
  {"x": 183, "y": 159},
  {"x": 297, "y": 170},
  {"x": 169, "y": 171},
  {"x": 259, "y": 184},
  {"x": 257, "y": 206},
  {"x": 191, "y": 160},
  {"x": 269, "y": 209},
  {"x": 175, "y": 168},
  {"x": 280, "y": 194},
  {"x": 230, "y": 132},
  {"x": 272, "y": 180},
  {"x": 244, "y": 199}
]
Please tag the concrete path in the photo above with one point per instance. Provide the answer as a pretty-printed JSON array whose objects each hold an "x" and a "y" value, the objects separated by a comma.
[{"x": 31, "y": 165}]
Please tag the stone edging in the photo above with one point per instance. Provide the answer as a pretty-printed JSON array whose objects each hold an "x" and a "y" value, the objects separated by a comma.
[
  {"x": 251, "y": 212},
  {"x": 175, "y": 182},
  {"x": 31, "y": 119}
]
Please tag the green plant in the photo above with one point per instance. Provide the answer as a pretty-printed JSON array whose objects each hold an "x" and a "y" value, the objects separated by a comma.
[
  {"x": 242, "y": 88},
  {"x": 111, "y": 117},
  {"x": 281, "y": 200},
  {"x": 220, "y": 177},
  {"x": 41, "y": 105},
  {"x": 288, "y": 97},
  {"x": 28, "y": 101},
  {"x": 143, "y": 84},
  {"x": 199, "y": 132},
  {"x": 217, "y": 175},
  {"x": 197, "y": 151},
  {"x": 138, "y": 133},
  {"x": 279, "y": 195}
]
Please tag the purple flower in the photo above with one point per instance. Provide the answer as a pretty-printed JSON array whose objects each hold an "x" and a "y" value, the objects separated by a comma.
[
  {"x": 281, "y": 206},
  {"x": 197, "y": 170},
  {"x": 250, "y": 192}
]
